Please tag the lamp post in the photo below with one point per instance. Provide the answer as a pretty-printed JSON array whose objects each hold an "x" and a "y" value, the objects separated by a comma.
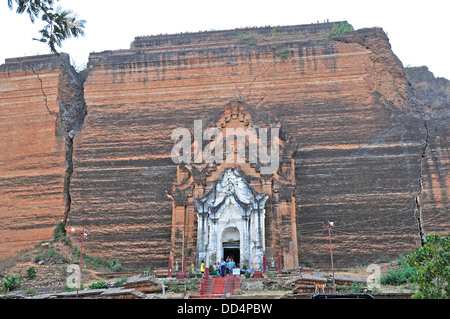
[{"x": 329, "y": 225}]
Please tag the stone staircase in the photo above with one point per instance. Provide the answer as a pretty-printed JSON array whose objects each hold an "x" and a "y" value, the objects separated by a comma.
[{"x": 217, "y": 287}]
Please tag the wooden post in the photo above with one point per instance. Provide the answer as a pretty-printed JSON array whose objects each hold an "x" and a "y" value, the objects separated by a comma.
[
  {"x": 264, "y": 264},
  {"x": 81, "y": 256},
  {"x": 169, "y": 270},
  {"x": 279, "y": 263}
]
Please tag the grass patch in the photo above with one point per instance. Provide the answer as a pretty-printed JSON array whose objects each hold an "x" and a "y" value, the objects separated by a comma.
[
  {"x": 402, "y": 275},
  {"x": 97, "y": 263},
  {"x": 99, "y": 285}
]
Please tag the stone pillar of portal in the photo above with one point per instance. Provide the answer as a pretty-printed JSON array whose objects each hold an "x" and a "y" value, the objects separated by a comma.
[{"x": 202, "y": 232}]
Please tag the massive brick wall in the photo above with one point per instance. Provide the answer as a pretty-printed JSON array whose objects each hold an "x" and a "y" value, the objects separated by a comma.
[
  {"x": 32, "y": 156},
  {"x": 344, "y": 102},
  {"x": 366, "y": 158},
  {"x": 430, "y": 101}
]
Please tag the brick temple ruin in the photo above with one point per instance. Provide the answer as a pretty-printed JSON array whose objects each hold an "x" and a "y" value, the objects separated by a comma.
[
  {"x": 240, "y": 207},
  {"x": 359, "y": 145}
]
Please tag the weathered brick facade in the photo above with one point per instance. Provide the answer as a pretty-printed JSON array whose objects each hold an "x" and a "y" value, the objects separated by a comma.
[
  {"x": 31, "y": 155},
  {"x": 362, "y": 155}
]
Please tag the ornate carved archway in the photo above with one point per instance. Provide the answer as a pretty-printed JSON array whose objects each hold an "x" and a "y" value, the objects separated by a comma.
[
  {"x": 231, "y": 203},
  {"x": 200, "y": 195}
]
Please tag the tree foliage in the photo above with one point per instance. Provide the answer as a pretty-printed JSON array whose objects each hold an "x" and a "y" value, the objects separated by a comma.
[
  {"x": 432, "y": 268},
  {"x": 59, "y": 24}
]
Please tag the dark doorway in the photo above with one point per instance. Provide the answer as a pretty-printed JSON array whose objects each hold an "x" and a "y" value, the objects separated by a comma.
[{"x": 233, "y": 253}]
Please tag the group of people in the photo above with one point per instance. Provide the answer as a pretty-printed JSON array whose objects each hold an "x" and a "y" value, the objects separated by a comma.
[{"x": 224, "y": 267}]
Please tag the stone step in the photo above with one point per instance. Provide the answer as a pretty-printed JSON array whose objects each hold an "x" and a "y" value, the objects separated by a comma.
[
  {"x": 216, "y": 287},
  {"x": 209, "y": 296}
]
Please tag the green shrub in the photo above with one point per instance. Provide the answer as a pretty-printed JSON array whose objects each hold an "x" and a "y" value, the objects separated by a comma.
[
  {"x": 191, "y": 286},
  {"x": 37, "y": 257},
  {"x": 121, "y": 281},
  {"x": 174, "y": 288},
  {"x": 99, "y": 285},
  {"x": 70, "y": 289},
  {"x": 52, "y": 252},
  {"x": 114, "y": 265},
  {"x": 11, "y": 283},
  {"x": 338, "y": 29},
  {"x": 249, "y": 38},
  {"x": 276, "y": 32},
  {"x": 31, "y": 272},
  {"x": 432, "y": 268},
  {"x": 398, "y": 276},
  {"x": 356, "y": 287},
  {"x": 341, "y": 28},
  {"x": 31, "y": 291},
  {"x": 59, "y": 232},
  {"x": 50, "y": 255}
]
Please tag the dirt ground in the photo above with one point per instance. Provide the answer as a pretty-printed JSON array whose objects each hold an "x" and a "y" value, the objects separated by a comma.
[
  {"x": 51, "y": 260},
  {"x": 50, "y": 265}
]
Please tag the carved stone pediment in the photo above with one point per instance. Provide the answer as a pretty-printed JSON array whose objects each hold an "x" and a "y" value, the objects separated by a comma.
[{"x": 231, "y": 187}]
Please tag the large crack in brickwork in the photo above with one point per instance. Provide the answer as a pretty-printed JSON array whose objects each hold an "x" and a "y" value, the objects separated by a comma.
[
  {"x": 43, "y": 92},
  {"x": 44, "y": 95},
  {"x": 418, "y": 209},
  {"x": 68, "y": 141},
  {"x": 72, "y": 111},
  {"x": 428, "y": 100}
]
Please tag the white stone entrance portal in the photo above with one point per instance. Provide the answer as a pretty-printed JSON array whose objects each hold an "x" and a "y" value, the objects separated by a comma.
[{"x": 231, "y": 215}]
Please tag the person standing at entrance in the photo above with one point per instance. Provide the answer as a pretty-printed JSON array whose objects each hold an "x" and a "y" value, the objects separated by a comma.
[
  {"x": 202, "y": 268},
  {"x": 218, "y": 268},
  {"x": 232, "y": 265},
  {"x": 222, "y": 268}
]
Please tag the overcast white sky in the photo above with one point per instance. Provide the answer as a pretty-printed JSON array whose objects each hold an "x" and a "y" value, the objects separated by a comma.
[{"x": 418, "y": 30}]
